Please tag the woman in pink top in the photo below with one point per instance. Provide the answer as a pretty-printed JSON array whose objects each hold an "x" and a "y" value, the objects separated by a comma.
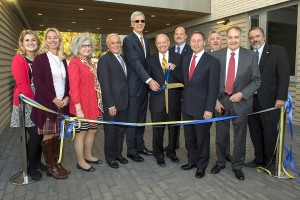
[{"x": 85, "y": 99}]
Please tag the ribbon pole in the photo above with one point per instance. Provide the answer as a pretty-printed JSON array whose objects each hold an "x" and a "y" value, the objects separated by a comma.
[
  {"x": 280, "y": 172},
  {"x": 21, "y": 178}
]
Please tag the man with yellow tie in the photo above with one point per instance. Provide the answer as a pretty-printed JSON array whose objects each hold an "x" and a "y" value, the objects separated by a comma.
[{"x": 164, "y": 68}]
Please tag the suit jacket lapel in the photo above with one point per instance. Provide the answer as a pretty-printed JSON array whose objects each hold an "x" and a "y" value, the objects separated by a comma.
[
  {"x": 186, "y": 67},
  {"x": 240, "y": 64},
  {"x": 264, "y": 55},
  {"x": 200, "y": 64},
  {"x": 137, "y": 40},
  {"x": 117, "y": 62},
  {"x": 223, "y": 55}
]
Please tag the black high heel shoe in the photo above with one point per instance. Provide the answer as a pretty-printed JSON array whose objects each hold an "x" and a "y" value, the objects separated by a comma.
[{"x": 91, "y": 169}]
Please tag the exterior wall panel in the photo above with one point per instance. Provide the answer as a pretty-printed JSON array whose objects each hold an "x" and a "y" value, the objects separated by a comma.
[{"x": 10, "y": 27}]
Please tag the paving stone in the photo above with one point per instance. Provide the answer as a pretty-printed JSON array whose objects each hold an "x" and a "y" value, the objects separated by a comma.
[{"x": 143, "y": 180}]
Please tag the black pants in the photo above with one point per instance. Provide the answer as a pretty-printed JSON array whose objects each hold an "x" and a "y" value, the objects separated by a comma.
[
  {"x": 158, "y": 135},
  {"x": 263, "y": 132},
  {"x": 34, "y": 149},
  {"x": 137, "y": 112},
  {"x": 114, "y": 135}
]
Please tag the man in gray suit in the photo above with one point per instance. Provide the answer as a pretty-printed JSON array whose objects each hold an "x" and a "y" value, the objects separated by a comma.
[
  {"x": 239, "y": 79},
  {"x": 215, "y": 43}
]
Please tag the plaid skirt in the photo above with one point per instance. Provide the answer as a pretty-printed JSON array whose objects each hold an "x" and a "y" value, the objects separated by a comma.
[{"x": 50, "y": 127}]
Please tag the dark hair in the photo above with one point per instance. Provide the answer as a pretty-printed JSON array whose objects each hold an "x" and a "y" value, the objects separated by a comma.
[
  {"x": 180, "y": 27},
  {"x": 257, "y": 28},
  {"x": 200, "y": 33}
]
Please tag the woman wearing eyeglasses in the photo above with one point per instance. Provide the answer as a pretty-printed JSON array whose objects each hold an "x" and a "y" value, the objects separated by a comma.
[
  {"x": 29, "y": 44},
  {"x": 85, "y": 99},
  {"x": 50, "y": 77}
]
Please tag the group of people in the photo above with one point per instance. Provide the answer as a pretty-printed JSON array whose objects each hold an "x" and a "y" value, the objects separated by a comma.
[{"x": 220, "y": 82}]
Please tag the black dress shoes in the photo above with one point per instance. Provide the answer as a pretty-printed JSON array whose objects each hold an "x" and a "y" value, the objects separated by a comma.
[
  {"x": 188, "y": 167},
  {"x": 200, "y": 173},
  {"x": 136, "y": 158},
  {"x": 239, "y": 174},
  {"x": 174, "y": 159},
  {"x": 113, "y": 164},
  {"x": 94, "y": 162},
  {"x": 161, "y": 163},
  {"x": 146, "y": 152},
  {"x": 216, "y": 169},
  {"x": 228, "y": 158},
  {"x": 121, "y": 159},
  {"x": 91, "y": 169},
  {"x": 253, "y": 164}
]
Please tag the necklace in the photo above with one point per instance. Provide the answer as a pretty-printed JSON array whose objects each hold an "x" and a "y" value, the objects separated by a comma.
[{"x": 58, "y": 64}]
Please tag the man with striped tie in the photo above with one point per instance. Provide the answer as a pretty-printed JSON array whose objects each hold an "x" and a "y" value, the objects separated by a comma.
[{"x": 164, "y": 67}]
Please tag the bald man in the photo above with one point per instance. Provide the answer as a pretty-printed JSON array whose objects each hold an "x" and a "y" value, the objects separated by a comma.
[{"x": 160, "y": 64}]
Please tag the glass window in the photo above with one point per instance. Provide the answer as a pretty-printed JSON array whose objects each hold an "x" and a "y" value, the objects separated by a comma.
[
  {"x": 254, "y": 20},
  {"x": 282, "y": 30}
]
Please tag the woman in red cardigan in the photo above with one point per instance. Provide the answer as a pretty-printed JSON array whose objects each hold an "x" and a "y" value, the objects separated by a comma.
[
  {"x": 84, "y": 98},
  {"x": 51, "y": 81},
  {"x": 22, "y": 72}
]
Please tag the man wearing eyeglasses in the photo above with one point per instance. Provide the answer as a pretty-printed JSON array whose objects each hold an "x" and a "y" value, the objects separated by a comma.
[{"x": 136, "y": 49}]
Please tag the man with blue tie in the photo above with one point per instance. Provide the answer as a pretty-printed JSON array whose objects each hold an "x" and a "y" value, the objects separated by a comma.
[
  {"x": 239, "y": 79},
  {"x": 136, "y": 49},
  {"x": 182, "y": 48},
  {"x": 200, "y": 72}
]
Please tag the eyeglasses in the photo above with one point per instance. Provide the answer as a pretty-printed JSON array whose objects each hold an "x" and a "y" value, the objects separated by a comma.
[
  {"x": 139, "y": 21},
  {"x": 86, "y": 46}
]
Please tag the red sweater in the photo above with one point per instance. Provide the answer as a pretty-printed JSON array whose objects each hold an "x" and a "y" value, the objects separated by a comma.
[
  {"x": 82, "y": 89},
  {"x": 20, "y": 70}
]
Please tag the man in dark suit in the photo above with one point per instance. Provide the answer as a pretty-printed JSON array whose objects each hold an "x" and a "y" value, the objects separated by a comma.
[
  {"x": 112, "y": 75},
  {"x": 201, "y": 73},
  {"x": 159, "y": 63},
  {"x": 215, "y": 43},
  {"x": 182, "y": 48},
  {"x": 136, "y": 50},
  {"x": 239, "y": 79},
  {"x": 275, "y": 77}
]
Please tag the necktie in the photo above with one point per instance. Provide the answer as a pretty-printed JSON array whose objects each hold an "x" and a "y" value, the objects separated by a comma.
[
  {"x": 178, "y": 50},
  {"x": 230, "y": 75},
  {"x": 163, "y": 63},
  {"x": 193, "y": 66},
  {"x": 142, "y": 43},
  {"x": 122, "y": 64}
]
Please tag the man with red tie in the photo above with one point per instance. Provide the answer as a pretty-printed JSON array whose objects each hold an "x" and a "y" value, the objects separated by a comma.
[
  {"x": 201, "y": 73},
  {"x": 239, "y": 79}
]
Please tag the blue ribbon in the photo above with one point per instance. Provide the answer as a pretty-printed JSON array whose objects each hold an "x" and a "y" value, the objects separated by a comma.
[
  {"x": 289, "y": 157},
  {"x": 163, "y": 87}
]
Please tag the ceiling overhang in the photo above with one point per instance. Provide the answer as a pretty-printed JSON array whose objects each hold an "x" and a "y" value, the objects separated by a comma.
[{"x": 95, "y": 17}]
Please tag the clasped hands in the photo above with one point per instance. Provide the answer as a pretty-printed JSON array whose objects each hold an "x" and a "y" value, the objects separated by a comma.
[{"x": 61, "y": 103}]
